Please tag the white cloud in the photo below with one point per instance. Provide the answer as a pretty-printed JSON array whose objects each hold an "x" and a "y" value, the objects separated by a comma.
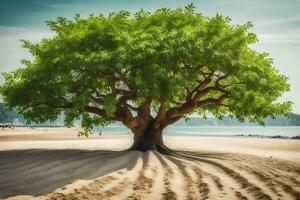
[{"x": 290, "y": 39}]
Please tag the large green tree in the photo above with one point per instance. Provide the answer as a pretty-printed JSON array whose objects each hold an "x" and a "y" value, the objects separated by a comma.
[{"x": 146, "y": 70}]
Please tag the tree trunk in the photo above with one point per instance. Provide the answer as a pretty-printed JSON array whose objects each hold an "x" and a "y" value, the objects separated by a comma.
[{"x": 151, "y": 139}]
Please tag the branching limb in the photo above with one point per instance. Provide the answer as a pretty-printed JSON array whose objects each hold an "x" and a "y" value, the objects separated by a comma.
[
  {"x": 95, "y": 110},
  {"x": 232, "y": 84},
  {"x": 218, "y": 101},
  {"x": 205, "y": 91},
  {"x": 160, "y": 116},
  {"x": 189, "y": 94},
  {"x": 131, "y": 107},
  {"x": 202, "y": 84},
  {"x": 193, "y": 101},
  {"x": 68, "y": 105},
  {"x": 144, "y": 111},
  {"x": 124, "y": 115},
  {"x": 96, "y": 99}
]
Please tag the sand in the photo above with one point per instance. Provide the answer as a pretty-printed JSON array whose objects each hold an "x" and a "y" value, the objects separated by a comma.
[{"x": 54, "y": 163}]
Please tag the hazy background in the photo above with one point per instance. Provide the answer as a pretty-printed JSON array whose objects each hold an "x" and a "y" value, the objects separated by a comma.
[{"x": 276, "y": 22}]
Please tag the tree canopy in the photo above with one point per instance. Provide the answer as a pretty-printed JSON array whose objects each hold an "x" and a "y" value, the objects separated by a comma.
[{"x": 145, "y": 68}]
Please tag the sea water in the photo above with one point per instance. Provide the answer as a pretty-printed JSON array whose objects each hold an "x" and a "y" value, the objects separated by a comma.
[{"x": 285, "y": 131}]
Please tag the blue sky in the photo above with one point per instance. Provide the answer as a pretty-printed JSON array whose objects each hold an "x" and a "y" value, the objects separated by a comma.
[{"x": 276, "y": 22}]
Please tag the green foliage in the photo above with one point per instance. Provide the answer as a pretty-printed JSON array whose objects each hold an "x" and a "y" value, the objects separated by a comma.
[{"x": 156, "y": 55}]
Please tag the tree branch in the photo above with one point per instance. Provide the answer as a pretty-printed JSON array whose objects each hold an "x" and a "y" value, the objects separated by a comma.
[
  {"x": 68, "y": 105},
  {"x": 131, "y": 107},
  {"x": 202, "y": 84},
  {"x": 96, "y": 99},
  {"x": 125, "y": 116},
  {"x": 199, "y": 91},
  {"x": 160, "y": 116},
  {"x": 217, "y": 101},
  {"x": 145, "y": 109},
  {"x": 95, "y": 110},
  {"x": 220, "y": 78}
]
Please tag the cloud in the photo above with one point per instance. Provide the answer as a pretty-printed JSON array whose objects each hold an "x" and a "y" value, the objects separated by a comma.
[{"x": 280, "y": 39}]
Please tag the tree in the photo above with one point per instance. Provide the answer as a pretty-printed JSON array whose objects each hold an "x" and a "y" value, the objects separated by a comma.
[{"x": 146, "y": 70}]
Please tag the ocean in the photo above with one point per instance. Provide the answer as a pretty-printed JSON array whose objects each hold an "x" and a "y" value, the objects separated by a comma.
[{"x": 288, "y": 131}]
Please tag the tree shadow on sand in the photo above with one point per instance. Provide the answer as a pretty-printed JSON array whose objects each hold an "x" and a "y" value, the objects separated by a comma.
[
  {"x": 136, "y": 175},
  {"x": 36, "y": 172}
]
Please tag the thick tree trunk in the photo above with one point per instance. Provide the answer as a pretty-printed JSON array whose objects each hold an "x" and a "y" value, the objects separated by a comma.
[{"x": 151, "y": 139}]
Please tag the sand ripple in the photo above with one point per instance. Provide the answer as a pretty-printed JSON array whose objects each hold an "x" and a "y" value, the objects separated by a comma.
[{"x": 76, "y": 174}]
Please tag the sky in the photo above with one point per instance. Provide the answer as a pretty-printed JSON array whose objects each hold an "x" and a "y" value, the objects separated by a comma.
[{"x": 276, "y": 22}]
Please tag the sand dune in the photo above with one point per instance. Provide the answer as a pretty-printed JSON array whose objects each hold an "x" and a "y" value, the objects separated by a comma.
[{"x": 98, "y": 174}]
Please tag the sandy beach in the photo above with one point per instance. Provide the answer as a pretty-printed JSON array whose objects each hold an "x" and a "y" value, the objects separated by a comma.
[{"x": 54, "y": 163}]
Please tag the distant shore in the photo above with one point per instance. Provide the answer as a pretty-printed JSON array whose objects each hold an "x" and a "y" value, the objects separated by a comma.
[
  {"x": 123, "y": 131},
  {"x": 274, "y": 137}
]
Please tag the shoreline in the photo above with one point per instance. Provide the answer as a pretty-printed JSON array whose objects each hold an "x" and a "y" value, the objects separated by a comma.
[
  {"x": 167, "y": 133},
  {"x": 66, "y": 138}
]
